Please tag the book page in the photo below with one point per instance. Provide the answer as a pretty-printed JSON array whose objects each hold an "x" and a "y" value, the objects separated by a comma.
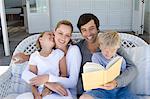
[
  {"x": 113, "y": 71},
  {"x": 90, "y": 67},
  {"x": 92, "y": 80},
  {"x": 113, "y": 61},
  {"x": 95, "y": 75}
]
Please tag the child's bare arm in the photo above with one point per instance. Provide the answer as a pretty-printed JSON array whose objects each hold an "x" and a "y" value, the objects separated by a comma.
[
  {"x": 63, "y": 67},
  {"x": 35, "y": 93},
  {"x": 33, "y": 69},
  {"x": 34, "y": 90}
]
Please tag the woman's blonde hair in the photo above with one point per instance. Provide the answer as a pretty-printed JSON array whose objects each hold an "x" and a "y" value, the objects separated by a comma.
[
  {"x": 109, "y": 39},
  {"x": 64, "y": 22}
]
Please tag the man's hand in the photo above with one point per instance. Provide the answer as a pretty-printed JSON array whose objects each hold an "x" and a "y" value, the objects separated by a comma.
[
  {"x": 39, "y": 80},
  {"x": 57, "y": 88},
  {"x": 109, "y": 86},
  {"x": 20, "y": 58}
]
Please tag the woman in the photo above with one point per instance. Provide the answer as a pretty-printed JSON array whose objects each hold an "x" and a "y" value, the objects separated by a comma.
[{"x": 62, "y": 33}]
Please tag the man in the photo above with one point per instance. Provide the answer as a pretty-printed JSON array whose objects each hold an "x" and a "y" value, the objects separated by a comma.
[{"x": 88, "y": 24}]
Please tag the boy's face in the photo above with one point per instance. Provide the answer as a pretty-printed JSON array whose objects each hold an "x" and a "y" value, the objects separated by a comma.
[
  {"x": 89, "y": 31},
  {"x": 108, "y": 52}
]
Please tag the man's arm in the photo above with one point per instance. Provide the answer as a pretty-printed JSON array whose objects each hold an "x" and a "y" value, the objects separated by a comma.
[{"x": 130, "y": 72}]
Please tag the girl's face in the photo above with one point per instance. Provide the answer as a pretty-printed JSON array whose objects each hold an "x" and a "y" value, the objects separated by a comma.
[
  {"x": 47, "y": 40},
  {"x": 62, "y": 36}
]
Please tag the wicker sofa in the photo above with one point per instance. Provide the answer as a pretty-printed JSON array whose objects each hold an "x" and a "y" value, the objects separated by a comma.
[{"x": 11, "y": 82}]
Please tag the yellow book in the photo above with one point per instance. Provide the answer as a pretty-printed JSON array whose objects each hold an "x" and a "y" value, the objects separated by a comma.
[{"x": 95, "y": 75}]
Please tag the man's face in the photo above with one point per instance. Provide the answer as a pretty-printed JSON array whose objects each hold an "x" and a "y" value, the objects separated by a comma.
[{"x": 89, "y": 31}]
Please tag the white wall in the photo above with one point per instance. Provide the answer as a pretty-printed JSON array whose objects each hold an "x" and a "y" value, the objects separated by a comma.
[
  {"x": 147, "y": 16},
  {"x": 113, "y": 14}
]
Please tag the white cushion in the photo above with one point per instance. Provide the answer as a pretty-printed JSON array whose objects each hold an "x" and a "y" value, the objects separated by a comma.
[
  {"x": 143, "y": 97},
  {"x": 141, "y": 57},
  {"x": 11, "y": 96}
]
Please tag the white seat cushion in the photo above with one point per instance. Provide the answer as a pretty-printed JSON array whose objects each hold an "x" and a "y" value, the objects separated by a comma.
[
  {"x": 143, "y": 97},
  {"x": 141, "y": 57},
  {"x": 11, "y": 96}
]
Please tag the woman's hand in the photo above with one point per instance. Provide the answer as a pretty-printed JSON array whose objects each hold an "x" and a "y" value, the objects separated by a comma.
[
  {"x": 109, "y": 86},
  {"x": 20, "y": 58},
  {"x": 57, "y": 88},
  {"x": 39, "y": 80}
]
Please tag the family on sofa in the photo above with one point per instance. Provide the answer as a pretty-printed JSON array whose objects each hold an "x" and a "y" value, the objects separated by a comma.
[{"x": 73, "y": 57}]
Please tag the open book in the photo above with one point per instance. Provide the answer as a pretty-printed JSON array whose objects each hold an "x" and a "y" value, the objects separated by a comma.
[{"x": 95, "y": 75}]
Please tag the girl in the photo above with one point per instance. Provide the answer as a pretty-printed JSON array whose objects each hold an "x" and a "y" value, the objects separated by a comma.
[{"x": 46, "y": 60}]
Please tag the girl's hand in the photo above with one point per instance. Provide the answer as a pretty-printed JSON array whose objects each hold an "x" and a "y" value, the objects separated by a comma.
[
  {"x": 20, "y": 58},
  {"x": 39, "y": 80},
  {"x": 57, "y": 88}
]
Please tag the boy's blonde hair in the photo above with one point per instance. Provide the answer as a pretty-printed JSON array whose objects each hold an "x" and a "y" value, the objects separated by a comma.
[{"x": 109, "y": 39}]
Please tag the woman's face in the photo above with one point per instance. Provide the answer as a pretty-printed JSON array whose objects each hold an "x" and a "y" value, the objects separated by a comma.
[{"x": 62, "y": 36}]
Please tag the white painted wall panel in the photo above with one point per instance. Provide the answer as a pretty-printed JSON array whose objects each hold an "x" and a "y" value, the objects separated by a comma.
[{"x": 113, "y": 14}]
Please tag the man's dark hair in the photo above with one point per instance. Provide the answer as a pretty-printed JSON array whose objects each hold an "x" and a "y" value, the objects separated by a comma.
[{"x": 85, "y": 18}]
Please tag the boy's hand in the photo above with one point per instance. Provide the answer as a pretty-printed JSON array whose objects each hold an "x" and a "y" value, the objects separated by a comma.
[
  {"x": 109, "y": 86},
  {"x": 46, "y": 91}
]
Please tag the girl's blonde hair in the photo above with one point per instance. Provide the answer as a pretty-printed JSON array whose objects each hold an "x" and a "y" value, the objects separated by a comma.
[
  {"x": 38, "y": 45},
  {"x": 109, "y": 39}
]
